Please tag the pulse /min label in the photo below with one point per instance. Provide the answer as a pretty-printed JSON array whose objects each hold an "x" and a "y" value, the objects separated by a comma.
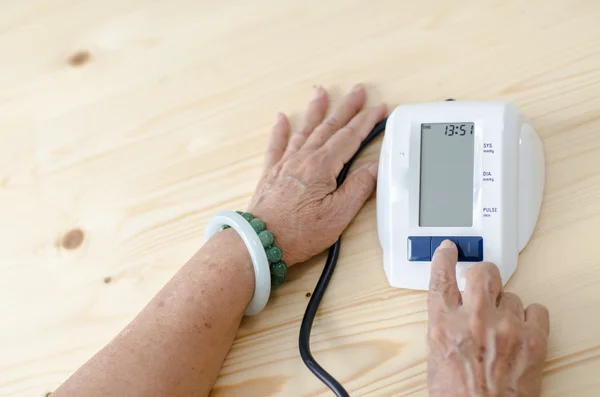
[{"x": 489, "y": 211}]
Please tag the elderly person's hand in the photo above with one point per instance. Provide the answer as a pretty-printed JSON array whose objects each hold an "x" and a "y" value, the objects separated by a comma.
[
  {"x": 297, "y": 196},
  {"x": 482, "y": 343},
  {"x": 176, "y": 345}
]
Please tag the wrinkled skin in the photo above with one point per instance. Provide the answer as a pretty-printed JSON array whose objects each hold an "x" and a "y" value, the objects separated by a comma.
[
  {"x": 297, "y": 196},
  {"x": 482, "y": 343}
]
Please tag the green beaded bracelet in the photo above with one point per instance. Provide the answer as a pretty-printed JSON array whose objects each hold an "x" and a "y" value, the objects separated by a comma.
[
  {"x": 279, "y": 269},
  {"x": 266, "y": 238},
  {"x": 277, "y": 266},
  {"x": 247, "y": 216},
  {"x": 257, "y": 225}
]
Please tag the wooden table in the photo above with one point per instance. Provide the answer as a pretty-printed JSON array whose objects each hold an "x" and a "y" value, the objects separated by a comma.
[{"x": 124, "y": 125}]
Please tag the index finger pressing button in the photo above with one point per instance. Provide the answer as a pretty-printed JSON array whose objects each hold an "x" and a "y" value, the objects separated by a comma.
[
  {"x": 443, "y": 290},
  {"x": 470, "y": 248}
]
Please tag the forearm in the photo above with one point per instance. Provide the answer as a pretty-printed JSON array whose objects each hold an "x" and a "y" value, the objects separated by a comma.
[{"x": 177, "y": 344}]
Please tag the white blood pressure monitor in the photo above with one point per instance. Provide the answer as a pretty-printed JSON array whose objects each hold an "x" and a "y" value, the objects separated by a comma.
[{"x": 471, "y": 172}]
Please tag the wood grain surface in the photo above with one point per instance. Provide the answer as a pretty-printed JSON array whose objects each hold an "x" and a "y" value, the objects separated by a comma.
[{"x": 124, "y": 125}]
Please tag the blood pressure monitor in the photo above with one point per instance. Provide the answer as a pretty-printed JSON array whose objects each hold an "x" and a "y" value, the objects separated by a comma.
[{"x": 471, "y": 172}]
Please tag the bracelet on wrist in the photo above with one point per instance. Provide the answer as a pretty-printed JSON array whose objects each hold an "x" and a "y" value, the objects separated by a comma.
[
  {"x": 269, "y": 270},
  {"x": 258, "y": 256},
  {"x": 277, "y": 267}
]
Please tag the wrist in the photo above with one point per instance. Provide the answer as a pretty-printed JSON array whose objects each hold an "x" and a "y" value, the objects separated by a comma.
[
  {"x": 234, "y": 260},
  {"x": 258, "y": 244},
  {"x": 275, "y": 223}
]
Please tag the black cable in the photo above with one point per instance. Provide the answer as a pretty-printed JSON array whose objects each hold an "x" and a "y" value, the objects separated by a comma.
[{"x": 315, "y": 299}]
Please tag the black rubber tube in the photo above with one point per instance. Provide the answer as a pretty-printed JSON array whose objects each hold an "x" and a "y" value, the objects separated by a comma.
[{"x": 315, "y": 299}]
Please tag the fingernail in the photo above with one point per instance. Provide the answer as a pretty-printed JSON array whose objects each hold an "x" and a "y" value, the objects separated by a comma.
[
  {"x": 447, "y": 244},
  {"x": 317, "y": 92},
  {"x": 279, "y": 118},
  {"x": 373, "y": 168},
  {"x": 357, "y": 88}
]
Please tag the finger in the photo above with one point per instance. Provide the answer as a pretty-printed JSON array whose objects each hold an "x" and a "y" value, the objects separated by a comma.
[
  {"x": 538, "y": 315},
  {"x": 443, "y": 290},
  {"x": 355, "y": 191},
  {"x": 344, "y": 144},
  {"x": 313, "y": 117},
  {"x": 278, "y": 141},
  {"x": 351, "y": 105},
  {"x": 512, "y": 304},
  {"x": 483, "y": 286}
]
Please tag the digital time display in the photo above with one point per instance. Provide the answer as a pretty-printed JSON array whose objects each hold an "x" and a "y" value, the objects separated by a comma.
[
  {"x": 458, "y": 129},
  {"x": 446, "y": 181}
]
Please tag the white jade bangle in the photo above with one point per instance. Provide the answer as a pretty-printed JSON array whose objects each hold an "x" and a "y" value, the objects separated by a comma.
[{"x": 262, "y": 273}]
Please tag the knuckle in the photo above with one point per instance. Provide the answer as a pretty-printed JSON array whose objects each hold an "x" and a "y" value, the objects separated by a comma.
[
  {"x": 508, "y": 332},
  {"x": 477, "y": 323},
  {"x": 348, "y": 129},
  {"x": 538, "y": 316},
  {"x": 512, "y": 300},
  {"x": 363, "y": 182},
  {"x": 303, "y": 132},
  {"x": 443, "y": 294},
  {"x": 535, "y": 344},
  {"x": 440, "y": 280},
  {"x": 332, "y": 122},
  {"x": 515, "y": 340},
  {"x": 297, "y": 139},
  {"x": 437, "y": 334},
  {"x": 503, "y": 329},
  {"x": 441, "y": 276}
]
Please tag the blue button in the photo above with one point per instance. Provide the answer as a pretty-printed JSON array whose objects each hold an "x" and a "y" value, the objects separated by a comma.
[
  {"x": 437, "y": 240},
  {"x": 419, "y": 248},
  {"x": 471, "y": 249}
]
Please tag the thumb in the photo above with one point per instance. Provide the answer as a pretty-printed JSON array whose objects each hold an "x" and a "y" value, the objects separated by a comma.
[{"x": 356, "y": 190}]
